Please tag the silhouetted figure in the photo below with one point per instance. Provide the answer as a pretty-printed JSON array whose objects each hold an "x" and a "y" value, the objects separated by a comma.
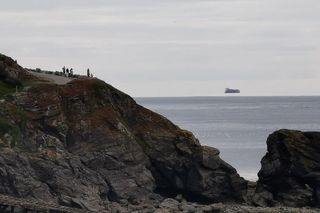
[
  {"x": 71, "y": 72},
  {"x": 64, "y": 70},
  {"x": 88, "y": 73}
]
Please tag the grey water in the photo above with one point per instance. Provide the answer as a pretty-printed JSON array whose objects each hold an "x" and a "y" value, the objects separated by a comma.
[{"x": 238, "y": 126}]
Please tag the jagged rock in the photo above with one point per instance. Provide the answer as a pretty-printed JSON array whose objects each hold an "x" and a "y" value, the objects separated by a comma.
[
  {"x": 290, "y": 170},
  {"x": 188, "y": 208},
  {"x": 217, "y": 208},
  {"x": 170, "y": 204}
]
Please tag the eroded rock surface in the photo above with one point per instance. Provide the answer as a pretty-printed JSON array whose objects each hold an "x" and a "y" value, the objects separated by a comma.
[{"x": 290, "y": 173}]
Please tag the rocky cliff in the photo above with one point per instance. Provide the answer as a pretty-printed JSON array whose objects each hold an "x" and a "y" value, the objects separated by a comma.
[
  {"x": 88, "y": 145},
  {"x": 290, "y": 173}
]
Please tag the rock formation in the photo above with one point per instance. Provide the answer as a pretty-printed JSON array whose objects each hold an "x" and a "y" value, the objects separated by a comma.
[
  {"x": 290, "y": 173},
  {"x": 88, "y": 145}
]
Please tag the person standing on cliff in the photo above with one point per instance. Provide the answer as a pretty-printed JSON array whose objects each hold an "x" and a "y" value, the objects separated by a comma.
[
  {"x": 67, "y": 72},
  {"x": 88, "y": 73}
]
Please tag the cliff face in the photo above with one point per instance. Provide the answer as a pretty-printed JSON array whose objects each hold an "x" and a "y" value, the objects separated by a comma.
[
  {"x": 290, "y": 170},
  {"x": 86, "y": 144}
]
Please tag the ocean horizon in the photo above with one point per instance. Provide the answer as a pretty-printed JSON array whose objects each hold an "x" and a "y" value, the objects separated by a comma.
[
  {"x": 238, "y": 125},
  {"x": 230, "y": 95}
]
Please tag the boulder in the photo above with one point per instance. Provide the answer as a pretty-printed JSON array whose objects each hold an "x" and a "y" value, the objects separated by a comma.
[{"x": 290, "y": 170}]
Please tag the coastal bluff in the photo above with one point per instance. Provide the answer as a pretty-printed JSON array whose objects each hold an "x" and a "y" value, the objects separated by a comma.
[
  {"x": 87, "y": 145},
  {"x": 84, "y": 146}
]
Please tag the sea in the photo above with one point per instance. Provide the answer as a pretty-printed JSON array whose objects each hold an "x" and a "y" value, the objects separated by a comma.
[{"x": 238, "y": 126}]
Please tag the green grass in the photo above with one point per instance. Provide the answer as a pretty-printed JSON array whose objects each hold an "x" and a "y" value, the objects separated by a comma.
[
  {"x": 6, "y": 89},
  {"x": 14, "y": 131},
  {"x": 16, "y": 134},
  {"x": 99, "y": 87},
  {"x": 2, "y": 57}
]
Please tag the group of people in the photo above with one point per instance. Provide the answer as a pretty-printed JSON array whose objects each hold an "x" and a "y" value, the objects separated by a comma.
[{"x": 69, "y": 72}]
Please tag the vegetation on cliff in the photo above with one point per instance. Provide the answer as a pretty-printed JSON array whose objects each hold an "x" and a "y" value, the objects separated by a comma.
[{"x": 6, "y": 89}]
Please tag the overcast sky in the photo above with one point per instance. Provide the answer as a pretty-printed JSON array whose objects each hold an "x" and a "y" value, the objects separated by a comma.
[{"x": 172, "y": 47}]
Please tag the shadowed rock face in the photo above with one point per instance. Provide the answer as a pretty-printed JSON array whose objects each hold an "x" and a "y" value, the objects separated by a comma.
[
  {"x": 10, "y": 71},
  {"x": 290, "y": 172},
  {"x": 86, "y": 144}
]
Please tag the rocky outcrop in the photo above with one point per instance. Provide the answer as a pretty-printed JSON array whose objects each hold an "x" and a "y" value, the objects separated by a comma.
[
  {"x": 10, "y": 72},
  {"x": 290, "y": 173},
  {"x": 176, "y": 205},
  {"x": 88, "y": 145}
]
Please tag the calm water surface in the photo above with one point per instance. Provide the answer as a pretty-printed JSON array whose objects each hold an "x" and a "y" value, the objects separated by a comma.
[{"x": 238, "y": 126}]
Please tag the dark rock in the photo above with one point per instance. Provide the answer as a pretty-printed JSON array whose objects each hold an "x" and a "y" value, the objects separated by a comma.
[
  {"x": 290, "y": 170},
  {"x": 10, "y": 71}
]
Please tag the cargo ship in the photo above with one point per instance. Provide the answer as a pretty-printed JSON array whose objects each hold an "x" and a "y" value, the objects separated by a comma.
[{"x": 228, "y": 90}]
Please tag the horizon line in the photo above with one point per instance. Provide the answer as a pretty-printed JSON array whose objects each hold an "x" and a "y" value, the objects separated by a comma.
[{"x": 224, "y": 96}]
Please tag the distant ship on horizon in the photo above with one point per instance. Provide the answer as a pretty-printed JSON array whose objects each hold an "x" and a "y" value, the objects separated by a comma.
[{"x": 228, "y": 90}]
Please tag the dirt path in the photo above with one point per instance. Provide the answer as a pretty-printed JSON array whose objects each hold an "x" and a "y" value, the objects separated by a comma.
[{"x": 60, "y": 80}]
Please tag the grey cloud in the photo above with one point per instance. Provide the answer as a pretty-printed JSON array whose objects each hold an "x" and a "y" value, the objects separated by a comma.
[{"x": 131, "y": 43}]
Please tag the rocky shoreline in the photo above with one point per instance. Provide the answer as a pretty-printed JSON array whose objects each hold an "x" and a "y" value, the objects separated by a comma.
[
  {"x": 169, "y": 205},
  {"x": 86, "y": 145}
]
